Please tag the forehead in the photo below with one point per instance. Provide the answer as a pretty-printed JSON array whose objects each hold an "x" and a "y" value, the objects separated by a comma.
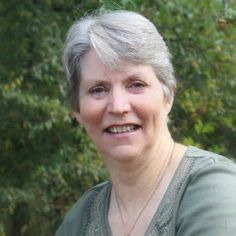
[
  {"x": 92, "y": 67},
  {"x": 92, "y": 63}
]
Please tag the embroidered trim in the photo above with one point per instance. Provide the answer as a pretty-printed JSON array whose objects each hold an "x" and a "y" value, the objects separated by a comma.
[
  {"x": 165, "y": 216},
  {"x": 164, "y": 219},
  {"x": 94, "y": 216}
]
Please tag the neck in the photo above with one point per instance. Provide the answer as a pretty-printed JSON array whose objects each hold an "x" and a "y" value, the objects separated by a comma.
[{"x": 139, "y": 174}]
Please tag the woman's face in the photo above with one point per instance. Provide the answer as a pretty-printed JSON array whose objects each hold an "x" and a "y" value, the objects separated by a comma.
[{"x": 123, "y": 111}]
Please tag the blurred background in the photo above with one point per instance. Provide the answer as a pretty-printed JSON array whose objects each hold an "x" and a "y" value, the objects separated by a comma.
[{"x": 46, "y": 160}]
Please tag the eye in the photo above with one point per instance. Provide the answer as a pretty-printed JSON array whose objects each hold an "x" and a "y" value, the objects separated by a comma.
[
  {"x": 136, "y": 86},
  {"x": 98, "y": 91}
]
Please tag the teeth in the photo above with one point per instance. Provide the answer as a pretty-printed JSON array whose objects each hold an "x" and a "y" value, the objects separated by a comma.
[{"x": 121, "y": 129}]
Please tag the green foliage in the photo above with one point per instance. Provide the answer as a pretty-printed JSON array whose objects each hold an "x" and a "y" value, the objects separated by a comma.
[
  {"x": 231, "y": 15},
  {"x": 46, "y": 160},
  {"x": 204, "y": 58}
]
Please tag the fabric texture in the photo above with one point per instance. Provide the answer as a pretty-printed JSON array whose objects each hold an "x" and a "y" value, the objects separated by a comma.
[{"x": 200, "y": 200}]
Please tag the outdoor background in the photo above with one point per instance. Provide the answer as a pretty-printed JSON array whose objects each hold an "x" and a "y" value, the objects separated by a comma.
[{"x": 46, "y": 160}]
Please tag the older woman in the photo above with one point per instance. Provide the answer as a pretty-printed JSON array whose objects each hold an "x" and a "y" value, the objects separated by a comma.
[{"x": 122, "y": 86}]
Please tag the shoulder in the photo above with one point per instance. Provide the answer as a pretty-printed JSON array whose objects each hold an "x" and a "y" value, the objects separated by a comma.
[
  {"x": 85, "y": 201},
  {"x": 75, "y": 218},
  {"x": 208, "y": 163},
  {"x": 209, "y": 198},
  {"x": 212, "y": 175}
]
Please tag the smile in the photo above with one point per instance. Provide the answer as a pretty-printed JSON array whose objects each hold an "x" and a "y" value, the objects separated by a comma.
[{"x": 121, "y": 129}]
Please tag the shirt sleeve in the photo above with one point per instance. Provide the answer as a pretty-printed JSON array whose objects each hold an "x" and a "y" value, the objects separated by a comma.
[
  {"x": 72, "y": 224},
  {"x": 208, "y": 205}
]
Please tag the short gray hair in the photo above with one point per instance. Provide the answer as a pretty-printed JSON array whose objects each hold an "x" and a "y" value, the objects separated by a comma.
[{"x": 117, "y": 36}]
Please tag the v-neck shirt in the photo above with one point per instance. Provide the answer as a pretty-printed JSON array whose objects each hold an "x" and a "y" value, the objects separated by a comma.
[{"x": 200, "y": 200}]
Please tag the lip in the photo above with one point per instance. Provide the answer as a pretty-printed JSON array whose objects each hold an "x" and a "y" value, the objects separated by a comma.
[{"x": 116, "y": 129}]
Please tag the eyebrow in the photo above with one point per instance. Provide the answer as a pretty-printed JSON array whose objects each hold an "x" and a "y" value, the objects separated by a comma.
[
  {"x": 132, "y": 76},
  {"x": 135, "y": 76}
]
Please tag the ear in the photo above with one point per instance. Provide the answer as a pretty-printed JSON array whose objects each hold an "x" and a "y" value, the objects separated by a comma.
[
  {"x": 78, "y": 117},
  {"x": 169, "y": 106}
]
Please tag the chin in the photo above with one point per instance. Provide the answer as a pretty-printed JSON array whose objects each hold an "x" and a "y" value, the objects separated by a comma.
[{"x": 123, "y": 153}]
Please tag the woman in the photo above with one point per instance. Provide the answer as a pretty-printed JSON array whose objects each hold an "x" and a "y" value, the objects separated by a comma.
[{"x": 122, "y": 86}]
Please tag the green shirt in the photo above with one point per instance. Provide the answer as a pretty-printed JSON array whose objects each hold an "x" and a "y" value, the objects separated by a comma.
[{"x": 199, "y": 201}]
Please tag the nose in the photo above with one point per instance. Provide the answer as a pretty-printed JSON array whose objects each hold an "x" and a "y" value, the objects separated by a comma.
[{"x": 119, "y": 103}]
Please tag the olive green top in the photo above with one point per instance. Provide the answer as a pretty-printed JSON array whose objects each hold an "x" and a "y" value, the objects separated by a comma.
[{"x": 199, "y": 201}]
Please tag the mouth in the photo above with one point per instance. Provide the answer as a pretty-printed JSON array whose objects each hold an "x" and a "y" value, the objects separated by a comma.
[{"x": 117, "y": 129}]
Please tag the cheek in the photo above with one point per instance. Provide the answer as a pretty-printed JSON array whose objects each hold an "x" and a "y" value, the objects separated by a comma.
[
  {"x": 154, "y": 111},
  {"x": 151, "y": 104},
  {"x": 91, "y": 113}
]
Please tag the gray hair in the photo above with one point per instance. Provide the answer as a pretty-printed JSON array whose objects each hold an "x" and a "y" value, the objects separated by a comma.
[{"x": 117, "y": 36}]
